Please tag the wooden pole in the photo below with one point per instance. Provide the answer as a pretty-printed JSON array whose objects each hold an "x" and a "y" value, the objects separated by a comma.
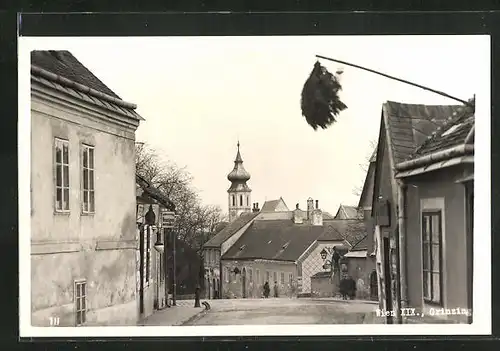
[{"x": 398, "y": 79}]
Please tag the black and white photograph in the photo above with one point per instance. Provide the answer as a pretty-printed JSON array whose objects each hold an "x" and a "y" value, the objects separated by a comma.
[{"x": 258, "y": 185}]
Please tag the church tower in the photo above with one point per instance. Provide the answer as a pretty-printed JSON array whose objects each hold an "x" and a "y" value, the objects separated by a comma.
[{"x": 238, "y": 192}]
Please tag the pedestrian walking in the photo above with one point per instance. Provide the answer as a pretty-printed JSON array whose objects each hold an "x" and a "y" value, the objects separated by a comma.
[
  {"x": 276, "y": 289},
  {"x": 266, "y": 290}
]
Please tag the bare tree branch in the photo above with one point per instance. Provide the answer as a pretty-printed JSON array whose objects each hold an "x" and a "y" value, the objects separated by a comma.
[{"x": 196, "y": 222}]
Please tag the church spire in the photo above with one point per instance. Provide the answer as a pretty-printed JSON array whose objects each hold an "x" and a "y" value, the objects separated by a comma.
[
  {"x": 239, "y": 192},
  {"x": 238, "y": 174}
]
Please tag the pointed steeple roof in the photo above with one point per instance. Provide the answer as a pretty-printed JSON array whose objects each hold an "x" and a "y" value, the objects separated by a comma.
[{"x": 238, "y": 174}]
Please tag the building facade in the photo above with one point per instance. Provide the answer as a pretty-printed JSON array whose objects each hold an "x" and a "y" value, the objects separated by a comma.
[
  {"x": 438, "y": 203},
  {"x": 83, "y": 239},
  {"x": 404, "y": 128}
]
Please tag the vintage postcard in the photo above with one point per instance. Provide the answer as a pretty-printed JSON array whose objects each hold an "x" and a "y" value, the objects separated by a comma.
[{"x": 232, "y": 186}]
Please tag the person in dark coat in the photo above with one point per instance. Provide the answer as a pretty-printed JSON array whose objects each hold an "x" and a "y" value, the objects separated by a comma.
[{"x": 266, "y": 290}]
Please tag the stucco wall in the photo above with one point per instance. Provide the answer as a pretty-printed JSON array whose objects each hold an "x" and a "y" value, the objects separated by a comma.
[
  {"x": 442, "y": 187},
  {"x": 65, "y": 247},
  {"x": 233, "y": 287},
  {"x": 312, "y": 263}
]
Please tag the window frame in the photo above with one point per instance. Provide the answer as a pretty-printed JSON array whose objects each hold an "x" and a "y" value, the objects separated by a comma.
[
  {"x": 282, "y": 278},
  {"x": 428, "y": 246},
  {"x": 61, "y": 142},
  {"x": 80, "y": 298},
  {"x": 90, "y": 191}
]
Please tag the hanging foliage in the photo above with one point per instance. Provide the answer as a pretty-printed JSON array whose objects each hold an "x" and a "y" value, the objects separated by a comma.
[{"x": 320, "y": 102}]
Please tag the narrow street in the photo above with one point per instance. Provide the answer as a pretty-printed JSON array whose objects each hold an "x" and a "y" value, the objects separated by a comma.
[{"x": 287, "y": 311}]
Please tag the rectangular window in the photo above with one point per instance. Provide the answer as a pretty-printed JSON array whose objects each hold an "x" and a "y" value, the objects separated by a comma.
[
  {"x": 432, "y": 256},
  {"x": 257, "y": 276},
  {"x": 62, "y": 175},
  {"x": 282, "y": 278},
  {"x": 290, "y": 278},
  {"x": 81, "y": 302},
  {"x": 250, "y": 275},
  {"x": 275, "y": 277},
  {"x": 88, "y": 197},
  {"x": 268, "y": 277}
]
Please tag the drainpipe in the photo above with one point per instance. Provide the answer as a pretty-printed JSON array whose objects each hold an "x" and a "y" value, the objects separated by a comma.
[
  {"x": 460, "y": 150},
  {"x": 402, "y": 244}
]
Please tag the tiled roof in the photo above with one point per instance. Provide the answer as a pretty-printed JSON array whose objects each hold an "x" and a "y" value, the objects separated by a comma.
[
  {"x": 230, "y": 229},
  {"x": 64, "y": 64},
  {"x": 280, "y": 240},
  {"x": 327, "y": 215},
  {"x": 270, "y": 205},
  {"x": 453, "y": 133},
  {"x": 324, "y": 274},
  {"x": 351, "y": 230},
  {"x": 409, "y": 125},
  {"x": 347, "y": 212},
  {"x": 361, "y": 244}
]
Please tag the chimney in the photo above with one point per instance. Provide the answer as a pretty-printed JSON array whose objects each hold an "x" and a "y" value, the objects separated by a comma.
[
  {"x": 310, "y": 208},
  {"x": 256, "y": 208},
  {"x": 317, "y": 215},
  {"x": 298, "y": 215}
]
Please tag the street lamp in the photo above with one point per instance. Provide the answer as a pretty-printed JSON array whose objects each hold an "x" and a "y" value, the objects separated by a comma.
[{"x": 323, "y": 254}]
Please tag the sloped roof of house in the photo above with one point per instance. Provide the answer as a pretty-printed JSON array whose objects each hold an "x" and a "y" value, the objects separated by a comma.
[
  {"x": 64, "y": 64},
  {"x": 409, "y": 125},
  {"x": 271, "y": 205},
  {"x": 347, "y": 212},
  {"x": 361, "y": 245},
  {"x": 366, "y": 197},
  {"x": 322, "y": 274},
  {"x": 350, "y": 230},
  {"x": 284, "y": 240},
  {"x": 280, "y": 240},
  {"x": 230, "y": 229},
  {"x": 61, "y": 71},
  {"x": 326, "y": 215},
  {"x": 452, "y": 133}
]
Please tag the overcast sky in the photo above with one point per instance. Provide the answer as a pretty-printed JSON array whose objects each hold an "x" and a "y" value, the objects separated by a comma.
[{"x": 198, "y": 95}]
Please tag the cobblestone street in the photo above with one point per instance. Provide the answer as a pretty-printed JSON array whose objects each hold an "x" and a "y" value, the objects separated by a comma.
[{"x": 287, "y": 311}]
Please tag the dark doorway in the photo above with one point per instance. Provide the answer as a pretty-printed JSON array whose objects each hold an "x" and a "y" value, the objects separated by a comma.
[
  {"x": 373, "y": 286},
  {"x": 387, "y": 278},
  {"x": 244, "y": 282}
]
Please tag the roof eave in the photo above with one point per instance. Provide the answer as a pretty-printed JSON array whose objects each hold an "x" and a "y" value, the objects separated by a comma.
[
  {"x": 442, "y": 155},
  {"x": 37, "y": 71}
]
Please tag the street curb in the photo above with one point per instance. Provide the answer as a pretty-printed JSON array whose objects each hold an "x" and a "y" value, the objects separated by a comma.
[{"x": 193, "y": 318}]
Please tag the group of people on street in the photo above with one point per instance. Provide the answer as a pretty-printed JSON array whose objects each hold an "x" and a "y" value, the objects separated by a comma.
[
  {"x": 347, "y": 288},
  {"x": 267, "y": 290}
]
